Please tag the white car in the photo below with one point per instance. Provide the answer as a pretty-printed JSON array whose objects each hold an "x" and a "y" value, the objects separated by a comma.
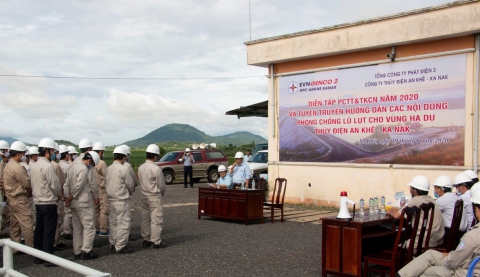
[{"x": 258, "y": 163}]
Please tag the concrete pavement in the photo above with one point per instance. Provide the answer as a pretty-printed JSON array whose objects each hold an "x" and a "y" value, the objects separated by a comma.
[{"x": 207, "y": 246}]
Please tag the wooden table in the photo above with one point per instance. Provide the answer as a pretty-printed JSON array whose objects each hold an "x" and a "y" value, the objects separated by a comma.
[
  {"x": 345, "y": 241},
  {"x": 234, "y": 204}
]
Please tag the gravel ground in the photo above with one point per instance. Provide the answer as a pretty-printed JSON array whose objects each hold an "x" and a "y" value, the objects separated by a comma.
[{"x": 203, "y": 247}]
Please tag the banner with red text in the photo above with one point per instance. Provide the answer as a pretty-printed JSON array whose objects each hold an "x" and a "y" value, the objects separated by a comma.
[{"x": 410, "y": 112}]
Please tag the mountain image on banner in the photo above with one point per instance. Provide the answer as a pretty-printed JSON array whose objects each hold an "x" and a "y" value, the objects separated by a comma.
[{"x": 187, "y": 133}]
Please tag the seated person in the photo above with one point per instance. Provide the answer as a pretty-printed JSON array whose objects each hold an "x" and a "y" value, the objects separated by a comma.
[
  {"x": 472, "y": 175},
  {"x": 225, "y": 180},
  {"x": 463, "y": 183},
  {"x": 419, "y": 187},
  {"x": 455, "y": 263},
  {"x": 442, "y": 188}
]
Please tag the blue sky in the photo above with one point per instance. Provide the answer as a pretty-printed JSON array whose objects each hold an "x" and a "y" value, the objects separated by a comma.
[{"x": 195, "y": 47}]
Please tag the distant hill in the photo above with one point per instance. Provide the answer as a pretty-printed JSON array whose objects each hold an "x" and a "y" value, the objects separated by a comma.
[
  {"x": 65, "y": 142},
  {"x": 186, "y": 133},
  {"x": 10, "y": 140}
]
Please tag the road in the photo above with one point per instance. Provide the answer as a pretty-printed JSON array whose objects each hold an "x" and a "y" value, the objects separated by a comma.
[{"x": 204, "y": 247}]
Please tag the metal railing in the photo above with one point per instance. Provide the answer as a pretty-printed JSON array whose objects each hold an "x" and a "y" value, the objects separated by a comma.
[{"x": 8, "y": 271}]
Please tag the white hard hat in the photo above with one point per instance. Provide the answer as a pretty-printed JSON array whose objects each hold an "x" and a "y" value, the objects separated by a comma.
[
  {"x": 443, "y": 181},
  {"x": 154, "y": 149},
  {"x": 127, "y": 148},
  {"x": 98, "y": 146},
  {"x": 56, "y": 146},
  {"x": 72, "y": 150},
  {"x": 221, "y": 168},
  {"x": 461, "y": 178},
  {"x": 85, "y": 143},
  {"x": 239, "y": 155},
  {"x": 47, "y": 143},
  {"x": 27, "y": 153},
  {"x": 62, "y": 149},
  {"x": 4, "y": 144},
  {"x": 187, "y": 149},
  {"x": 95, "y": 156},
  {"x": 474, "y": 188},
  {"x": 19, "y": 146},
  {"x": 475, "y": 192},
  {"x": 420, "y": 182},
  {"x": 120, "y": 150},
  {"x": 33, "y": 150},
  {"x": 470, "y": 173}
]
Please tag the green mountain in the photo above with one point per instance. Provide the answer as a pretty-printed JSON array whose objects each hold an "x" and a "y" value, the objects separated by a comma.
[
  {"x": 10, "y": 140},
  {"x": 65, "y": 142},
  {"x": 186, "y": 133}
]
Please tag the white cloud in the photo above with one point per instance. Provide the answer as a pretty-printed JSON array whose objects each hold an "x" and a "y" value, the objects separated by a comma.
[{"x": 166, "y": 39}]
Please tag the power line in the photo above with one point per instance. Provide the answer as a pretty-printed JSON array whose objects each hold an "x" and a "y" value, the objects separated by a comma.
[{"x": 128, "y": 78}]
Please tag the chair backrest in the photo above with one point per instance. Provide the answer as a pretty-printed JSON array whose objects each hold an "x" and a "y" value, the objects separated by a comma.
[
  {"x": 427, "y": 211},
  {"x": 260, "y": 183},
  {"x": 279, "y": 191},
  {"x": 406, "y": 233},
  {"x": 453, "y": 235}
]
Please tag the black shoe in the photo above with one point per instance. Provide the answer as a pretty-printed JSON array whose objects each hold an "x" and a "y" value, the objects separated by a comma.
[
  {"x": 88, "y": 256},
  {"x": 161, "y": 245},
  {"x": 59, "y": 247},
  {"x": 184, "y": 187},
  {"x": 39, "y": 261},
  {"x": 77, "y": 257},
  {"x": 132, "y": 238},
  {"x": 147, "y": 244},
  {"x": 125, "y": 250},
  {"x": 191, "y": 187},
  {"x": 49, "y": 264},
  {"x": 112, "y": 249},
  {"x": 67, "y": 236},
  {"x": 97, "y": 244}
]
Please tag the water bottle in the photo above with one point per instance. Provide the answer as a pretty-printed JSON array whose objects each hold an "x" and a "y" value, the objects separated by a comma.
[
  {"x": 382, "y": 204},
  {"x": 243, "y": 185},
  {"x": 375, "y": 203},
  {"x": 253, "y": 184},
  {"x": 362, "y": 207},
  {"x": 370, "y": 204},
  {"x": 402, "y": 200}
]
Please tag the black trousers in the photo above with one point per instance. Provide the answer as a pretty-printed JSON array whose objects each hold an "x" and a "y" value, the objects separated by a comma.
[
  {"x": 45, "y": 227},
  {"x": 187, "y": 171}
]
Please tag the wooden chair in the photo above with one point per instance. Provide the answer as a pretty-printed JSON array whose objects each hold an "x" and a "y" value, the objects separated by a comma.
[
  {"x": 454, "y": 234},
  {"x": 277, "y": 197},
  {"x": 402, "y": 248},
  {"x": 427, "y": 211}
]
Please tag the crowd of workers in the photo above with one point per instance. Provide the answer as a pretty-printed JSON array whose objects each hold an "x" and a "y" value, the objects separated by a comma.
[
  {"x": 50, "y": 193},
  {"x": 456, "y": 262}
]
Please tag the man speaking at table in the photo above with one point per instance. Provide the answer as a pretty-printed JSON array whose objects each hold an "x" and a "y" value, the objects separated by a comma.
[{"x": 240, "y": 171}]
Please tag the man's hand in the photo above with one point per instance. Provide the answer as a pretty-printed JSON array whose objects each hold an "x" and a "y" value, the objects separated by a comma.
[
  {"x": 97, "y": 201},
  {"x": 393, "y": 212},
  {"x": 68, "y": 201},
  {"x": 445, "y": 254}
]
